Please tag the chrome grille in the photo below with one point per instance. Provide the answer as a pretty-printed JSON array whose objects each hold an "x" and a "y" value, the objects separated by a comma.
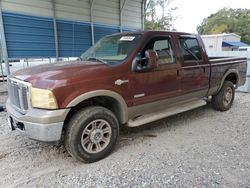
[{"x": 18, "y": 94}]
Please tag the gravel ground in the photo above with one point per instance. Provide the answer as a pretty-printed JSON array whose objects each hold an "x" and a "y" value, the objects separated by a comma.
[
  {"x": 199, "y": 148},
  {"x": 3, "y": 94}
]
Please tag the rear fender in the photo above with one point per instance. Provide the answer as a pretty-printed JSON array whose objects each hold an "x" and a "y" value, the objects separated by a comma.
[{"x": 230, "y": 71}]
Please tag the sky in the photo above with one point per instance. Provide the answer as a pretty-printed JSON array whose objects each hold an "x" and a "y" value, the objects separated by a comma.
[{"x": 190, "y": 13}]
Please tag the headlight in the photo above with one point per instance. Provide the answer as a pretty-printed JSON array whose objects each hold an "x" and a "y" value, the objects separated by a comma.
[{"x": 43, "y": 98}]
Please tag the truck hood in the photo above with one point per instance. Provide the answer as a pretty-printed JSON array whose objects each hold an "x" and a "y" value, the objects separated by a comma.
[{"x": 60, "y": 73}]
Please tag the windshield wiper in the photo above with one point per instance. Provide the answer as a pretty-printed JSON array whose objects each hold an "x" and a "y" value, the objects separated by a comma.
[{"x": 97, "y": 59}]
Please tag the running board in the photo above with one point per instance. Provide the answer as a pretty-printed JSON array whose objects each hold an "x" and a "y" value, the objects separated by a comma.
[{"x": 144, "y": 119}]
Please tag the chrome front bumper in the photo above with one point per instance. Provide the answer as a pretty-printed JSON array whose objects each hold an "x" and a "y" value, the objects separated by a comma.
[{"x": 38, "y": 124}]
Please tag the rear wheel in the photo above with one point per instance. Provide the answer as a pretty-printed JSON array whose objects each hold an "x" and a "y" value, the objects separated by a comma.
[
  {"x": 91, "y": 134},
  {"x": 223, "y": 100}
]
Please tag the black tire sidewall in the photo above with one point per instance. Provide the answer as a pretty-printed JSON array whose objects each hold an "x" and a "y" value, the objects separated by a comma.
[
  {"x": 89, "y": 115},
  {"x": 217, "y": 100}
]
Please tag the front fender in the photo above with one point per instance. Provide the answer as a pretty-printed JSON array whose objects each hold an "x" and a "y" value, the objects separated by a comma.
[{"x": 123, "y": 109}]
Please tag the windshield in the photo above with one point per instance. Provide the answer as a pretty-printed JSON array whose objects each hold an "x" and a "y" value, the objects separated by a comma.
[{"x": 111, "y": 49}]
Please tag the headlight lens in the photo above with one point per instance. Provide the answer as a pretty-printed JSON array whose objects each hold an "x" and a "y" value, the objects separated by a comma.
[{"x": 43, "y": 98}]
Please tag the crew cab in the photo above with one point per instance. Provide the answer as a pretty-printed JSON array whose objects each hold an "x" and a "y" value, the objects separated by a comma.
[{"x": 124, "y": 79}]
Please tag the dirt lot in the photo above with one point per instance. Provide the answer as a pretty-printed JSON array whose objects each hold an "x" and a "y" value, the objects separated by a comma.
[{"x": 200, "y": 148}]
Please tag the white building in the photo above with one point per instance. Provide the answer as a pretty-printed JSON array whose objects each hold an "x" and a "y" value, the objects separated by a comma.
[
  {"x": 63, "y": 28},
  {"x": 222, "y": 42}
]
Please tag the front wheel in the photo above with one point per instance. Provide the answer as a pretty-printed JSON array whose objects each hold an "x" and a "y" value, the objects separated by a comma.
[
  {"x": 223, "y": 100},
  {"x": 91, "y": 134}
]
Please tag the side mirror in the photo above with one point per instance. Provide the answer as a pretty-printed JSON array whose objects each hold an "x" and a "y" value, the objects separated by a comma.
[
  {"x": 151, "y": 56},
  {"x": 149, "y": 62}
]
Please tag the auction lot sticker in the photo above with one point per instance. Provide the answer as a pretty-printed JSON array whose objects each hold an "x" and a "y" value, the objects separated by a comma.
[{"x": 127, "y": 38}]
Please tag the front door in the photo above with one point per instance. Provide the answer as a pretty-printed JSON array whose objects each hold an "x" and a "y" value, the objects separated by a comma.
[{"x": 160, "y": 83}]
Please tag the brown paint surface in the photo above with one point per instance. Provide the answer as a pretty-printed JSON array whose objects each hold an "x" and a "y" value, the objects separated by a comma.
[{"x": 70, "y": 79}]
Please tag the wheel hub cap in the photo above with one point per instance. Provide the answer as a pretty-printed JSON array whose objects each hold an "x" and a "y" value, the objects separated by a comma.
[
  {"x": 96, "y": 136},
  {"x": 228, "y": 96}
]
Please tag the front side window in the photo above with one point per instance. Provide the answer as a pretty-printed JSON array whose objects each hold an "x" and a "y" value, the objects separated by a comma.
[
  {"x": 190, "y": 49},
  {"x": 163, "y": 49},
  {"x": 112, "y": 49}
]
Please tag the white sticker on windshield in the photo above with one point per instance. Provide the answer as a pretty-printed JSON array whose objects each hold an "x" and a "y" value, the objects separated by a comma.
[{"x": 127, "y": 38}]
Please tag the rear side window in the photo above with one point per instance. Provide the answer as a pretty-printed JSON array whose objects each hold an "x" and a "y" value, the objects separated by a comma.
[{"x": 190, "y": 49}]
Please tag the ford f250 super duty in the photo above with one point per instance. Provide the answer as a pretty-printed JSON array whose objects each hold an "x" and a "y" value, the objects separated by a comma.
[{"x": 124, "y": 79}]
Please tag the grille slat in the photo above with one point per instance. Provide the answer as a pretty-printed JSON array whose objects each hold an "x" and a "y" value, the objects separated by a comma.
[
  {"x": 18, "y": 95},
  {"x": 24, "y": 98}
]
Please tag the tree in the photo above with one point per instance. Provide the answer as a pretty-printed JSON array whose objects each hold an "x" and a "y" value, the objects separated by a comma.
[
  {"x": 154, "y": 22},
  {"x": 228, "y": 21}
]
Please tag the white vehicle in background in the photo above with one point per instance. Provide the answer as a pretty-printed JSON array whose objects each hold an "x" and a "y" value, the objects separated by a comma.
[
  {"x": 245, "y": 48},
  {"x": 17, "y": 64}
]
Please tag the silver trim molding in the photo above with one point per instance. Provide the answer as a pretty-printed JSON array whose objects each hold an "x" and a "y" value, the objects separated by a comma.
[
  {"x": 139, "y": 95},
  {"x": 120, "y": 82}
]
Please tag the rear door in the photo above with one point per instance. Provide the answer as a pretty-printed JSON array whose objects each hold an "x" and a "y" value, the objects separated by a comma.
[{"x": 195, "y": 69}]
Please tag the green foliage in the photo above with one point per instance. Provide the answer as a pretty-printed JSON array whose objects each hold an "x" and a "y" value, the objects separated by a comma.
[
  {"x": 154, "y": 22},
  {"x": 228, "y": 21}
]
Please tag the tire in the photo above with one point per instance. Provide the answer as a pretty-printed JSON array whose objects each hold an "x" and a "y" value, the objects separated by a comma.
[
  {"x": 223, "y": 100},
  {"x": 91, "y": 134}
]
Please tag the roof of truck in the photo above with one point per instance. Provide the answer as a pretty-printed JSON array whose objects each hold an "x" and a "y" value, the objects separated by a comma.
[{"x": 154, "y": 32}]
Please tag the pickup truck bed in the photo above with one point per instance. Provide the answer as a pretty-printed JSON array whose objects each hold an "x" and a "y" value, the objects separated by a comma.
[
  {"x": 124, "y": 79},
  {"x": 221, "y": 66}
]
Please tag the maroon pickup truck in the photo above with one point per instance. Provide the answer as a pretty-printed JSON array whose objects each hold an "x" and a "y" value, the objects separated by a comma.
[{"x": 125, "y": 79}]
